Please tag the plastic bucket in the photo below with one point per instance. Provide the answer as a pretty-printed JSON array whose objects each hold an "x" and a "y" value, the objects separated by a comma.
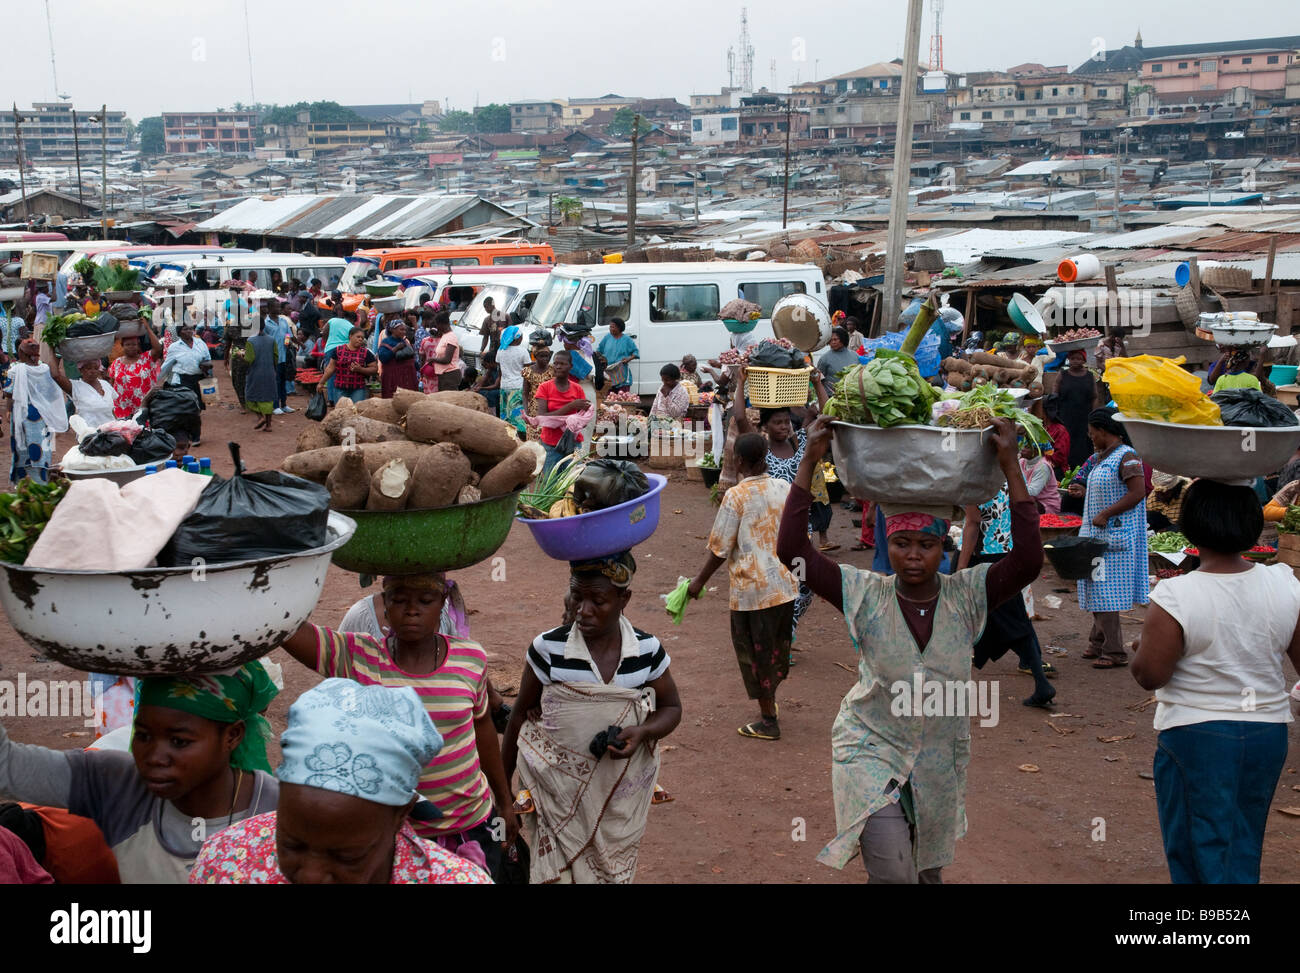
[
  {"x": 1182, "y": 274},
  {"x": 1282, "y": 374},
  {"x": 601, "y": 532},
  {"x": 1083, "y": 267}
]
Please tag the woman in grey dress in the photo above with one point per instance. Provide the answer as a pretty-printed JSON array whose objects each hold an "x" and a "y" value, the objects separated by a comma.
[{"x": 259, "y": 387}]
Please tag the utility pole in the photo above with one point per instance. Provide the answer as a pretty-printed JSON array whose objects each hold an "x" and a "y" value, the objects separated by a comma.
[
  {"x": 1116, "y": 203},
  {"x": 897, "y": 242},
  {"x": 103, "y": 170},
  {"x": 76, "y": 145},
  {"x": 22, "y": 173},
  {"x": 785, "y": 198},
  {"x": 631, "y": 186}
]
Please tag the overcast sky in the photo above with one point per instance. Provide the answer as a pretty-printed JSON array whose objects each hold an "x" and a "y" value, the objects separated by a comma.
[{"x": 148, "y": 56}]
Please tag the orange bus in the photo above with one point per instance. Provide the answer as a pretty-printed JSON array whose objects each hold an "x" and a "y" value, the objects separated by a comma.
[{"x": 368, "y": 265}]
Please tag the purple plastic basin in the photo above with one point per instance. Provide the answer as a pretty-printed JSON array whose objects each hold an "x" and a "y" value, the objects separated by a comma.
[{"x": 602, "y": 532}]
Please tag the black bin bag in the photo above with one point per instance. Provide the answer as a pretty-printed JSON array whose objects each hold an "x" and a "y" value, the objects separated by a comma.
[
  {"x": 152, "y": 446},
  {"x": 1251, "y": 407},
  {"x": 172, "y": 408},
  {"x": 250, "y": 515}
]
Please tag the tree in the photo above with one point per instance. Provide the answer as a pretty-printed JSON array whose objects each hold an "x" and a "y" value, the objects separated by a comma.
[
  {"x": 492, "y": 118},
  {"x": 150, "y": 131},
  {"x": 570, "y": 209},
  {"x": 128, "y": 131},
  {"x": 321, "y": 111},
  {"x": 457, "y": 121},
  {"x": 621, "y": 125}
]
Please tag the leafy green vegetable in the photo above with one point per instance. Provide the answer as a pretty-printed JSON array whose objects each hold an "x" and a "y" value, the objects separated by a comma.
[
  {"x": 1290, "y": 522},
  {"x": 986, "y": 402},
  {"x": 24, "y": 514},
  {"x": 550, "y": 488},
  {"x": 887, "y": 391},
  {"x": 1070, "y": 475},
  {"x": 56, "y": 327},
  {"x": 116, "y": 277},
  {"x": 86, "y": 268},
  {"x": 1168, "y": 542}
]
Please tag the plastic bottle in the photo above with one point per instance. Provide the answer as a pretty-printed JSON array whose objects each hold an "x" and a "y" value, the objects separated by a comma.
[
  {"x": 192, "y": 468},
  {"x": 171, "y": 465},
  {"x": 150, "y": 469},
  {"x": 187, "y": 459},
  {"x": 205, "y": 466}
]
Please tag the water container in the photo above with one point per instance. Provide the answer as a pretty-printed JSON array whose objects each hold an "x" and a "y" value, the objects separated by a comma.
[
  {"x": 205, "y": 466},
  {"x": 153, "y": 469},
  {"x": 172, "y": 464},
  {"x": 1182, "y": 274},
  {"x": 187, "y": 459},
  {"x": 192, "y": 468},
  {"x": 208, "y": 389},
  {"x": 1083, "y": 267}
]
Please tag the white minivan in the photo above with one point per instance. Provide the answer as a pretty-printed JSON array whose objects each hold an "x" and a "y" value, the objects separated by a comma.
[
  {"x": 671, "y": 309},
  {"x": 205, "y": 272}
]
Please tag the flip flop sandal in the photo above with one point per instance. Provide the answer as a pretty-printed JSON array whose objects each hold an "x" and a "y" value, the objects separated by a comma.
[
  {"x": 661, "y": 796},
  {"x": 828, "y": 547},
  {"x": 761, "y": 730},
  {"x": 1049, "y": 670},
  {"x": 1108, "y": 663},
  {"x": 1091, "y": 655}
]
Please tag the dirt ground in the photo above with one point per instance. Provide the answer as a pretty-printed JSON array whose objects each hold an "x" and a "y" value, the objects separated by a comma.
[{"x": 755, "y": 811}]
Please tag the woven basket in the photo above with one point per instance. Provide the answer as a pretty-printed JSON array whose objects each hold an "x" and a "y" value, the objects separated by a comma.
[
  {"x": 1226, "y": 278},
  {"x": 1189, "y": 308},
  {"x": 777, "y": 388}
]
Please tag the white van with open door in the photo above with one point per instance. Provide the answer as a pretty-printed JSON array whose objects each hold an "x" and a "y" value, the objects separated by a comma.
[{"x": 671, "y": 309}]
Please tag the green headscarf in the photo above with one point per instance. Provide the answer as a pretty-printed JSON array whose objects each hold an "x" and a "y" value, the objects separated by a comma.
[{"x": 236, "y": 696}]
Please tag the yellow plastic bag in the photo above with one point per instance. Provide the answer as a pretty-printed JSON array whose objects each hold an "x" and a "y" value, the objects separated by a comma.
[{"x": 1148, "y": 387}]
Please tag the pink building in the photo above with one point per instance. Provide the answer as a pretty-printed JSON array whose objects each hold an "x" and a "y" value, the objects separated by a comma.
[{"x": 1260, "y": 69}]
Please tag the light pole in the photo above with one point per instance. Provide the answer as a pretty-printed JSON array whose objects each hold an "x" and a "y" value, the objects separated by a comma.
[
  {"x": 102, "y": 118},
  {"x": 22, "y": 174},
  {"x": 76, "y": 145}
]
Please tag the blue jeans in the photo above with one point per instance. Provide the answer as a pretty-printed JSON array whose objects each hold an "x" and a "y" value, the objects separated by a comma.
[
  {"x": 553, "y": 456},
  {"x": 356, "y": 395},
  {"x": 1214, "y": 785}
]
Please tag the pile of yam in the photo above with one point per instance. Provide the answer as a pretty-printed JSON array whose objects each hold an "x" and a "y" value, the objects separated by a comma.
[
  {"x": 986, "y": 369},
  {"x": 414, "y": 452}
]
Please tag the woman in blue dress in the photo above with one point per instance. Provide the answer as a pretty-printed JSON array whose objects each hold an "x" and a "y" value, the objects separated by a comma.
[{"x": 1113, "y": 485}]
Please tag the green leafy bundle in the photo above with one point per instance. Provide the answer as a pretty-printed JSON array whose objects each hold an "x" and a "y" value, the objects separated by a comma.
[
  {"x": 550, "y": 488},
  {"x": 983, "y": 403},
  {"x": 116, "y": 277},
  {"x": 887, "y": 391},
  {"x": 56, "y": 328},
  {"x": 1290, "y": 523},
  {"x": 1168, "y": 542},
  {"x": 24, "y": 514},
  {"x": 86, "y": 268}
]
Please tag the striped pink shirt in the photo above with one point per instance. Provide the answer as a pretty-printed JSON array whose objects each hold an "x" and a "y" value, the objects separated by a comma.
[{"x": 455, "y": 695}]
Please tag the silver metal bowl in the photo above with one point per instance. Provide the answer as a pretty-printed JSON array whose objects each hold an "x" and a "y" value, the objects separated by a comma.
[
  {"x": 925, "y": 465},
  {"x": 1213, "y": 452},
  {"x": 87, "y": 347},
  {"x": 168, "y": 621}
]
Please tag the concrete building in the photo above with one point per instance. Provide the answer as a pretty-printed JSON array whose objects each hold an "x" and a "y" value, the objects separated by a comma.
[
  {"x": 536, "y": 116},
  {"x": 578, "y": 111},
  {"x": 221, "y": 132},
  {"x": 1259, "y": 69},
  {"x": 47, "y": 132},
  {"x": 871, "y": 116},
  {"x": 304, "y": 139}
]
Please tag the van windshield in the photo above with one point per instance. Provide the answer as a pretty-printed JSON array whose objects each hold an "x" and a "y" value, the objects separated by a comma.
[
  {"x": 358, "y": 271},
  {"x": 554, "y": 301}
]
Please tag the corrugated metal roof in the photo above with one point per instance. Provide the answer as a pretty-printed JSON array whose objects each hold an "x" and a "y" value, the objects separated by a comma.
[{"x": 358, "y": 216}]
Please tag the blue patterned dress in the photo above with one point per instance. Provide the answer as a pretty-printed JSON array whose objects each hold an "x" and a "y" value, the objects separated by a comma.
[{"x": 1124, "y": 578}]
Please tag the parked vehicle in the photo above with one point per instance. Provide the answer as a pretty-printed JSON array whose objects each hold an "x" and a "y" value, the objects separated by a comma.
[
  {"x": 458, "y": 286},
  {"x": 262, "y": 269},
  {"x": 515, "y": 299},
  {"x": 671, "y": 309},
  {"x": 367, "y": 265}
]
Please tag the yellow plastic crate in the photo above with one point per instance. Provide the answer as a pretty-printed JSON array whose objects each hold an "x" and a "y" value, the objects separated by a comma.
[{"x": 777, "y": 388}]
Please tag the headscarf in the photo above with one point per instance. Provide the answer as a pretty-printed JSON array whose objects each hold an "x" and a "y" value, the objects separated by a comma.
[
  {"x": 371, "y": 742},
  {"x": 619, "y": 568},
  {"x": 236, "y": 696},
  {"x": 509, "y": 335},
  {"x": 922, "y": 523}
]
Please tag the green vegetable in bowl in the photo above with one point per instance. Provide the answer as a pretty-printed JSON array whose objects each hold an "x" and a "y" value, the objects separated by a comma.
[
  {"x": 116, "y": 277},
  {"x": 978, "y": 407},
  {"x": 887, "y": 391},
  {"x": 1168, "y": 542},
  {"x": 1290, "y": 522},
  {"x": 56, "y": 327}
]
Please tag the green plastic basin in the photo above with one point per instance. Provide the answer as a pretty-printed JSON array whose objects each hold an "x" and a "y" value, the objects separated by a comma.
[{"x": 419, "y": 541}]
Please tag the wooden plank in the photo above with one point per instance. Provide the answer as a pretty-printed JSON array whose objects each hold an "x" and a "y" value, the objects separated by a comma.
[
  {"x": 1268, "y": 264},
  {"x": 1194, "y": 278}
]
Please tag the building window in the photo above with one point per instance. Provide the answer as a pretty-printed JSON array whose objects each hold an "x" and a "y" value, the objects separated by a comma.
[
  {"x": 1245, "y": 60},
  {"x": 697, "y": 125},
  {"x": 1101, "y": 92},
  {"x": 986, "y": 114},
  {"x": 1227, "y": 61},
  {"x": 1182, "y": 65},
  {"x": 1031, "y": 112},
  {"x": 1157, "y": 68},
  {"x": 1069, "y": 91},
  {"x": 1055, "y": 92},
  {"x": 1271, "y": 59},
  {"x": 1071, "y": 110},
  {"x": 1008, "y": 113},
  {"x": 965, "y": 116},
  {"x": 1053, "y": 111},
  {"x": 1207, "y": 66},
  {"x": 729, "y": 123},
  {"x": 839, "y": 109}
]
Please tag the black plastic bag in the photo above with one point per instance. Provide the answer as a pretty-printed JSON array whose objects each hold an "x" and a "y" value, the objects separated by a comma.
[
  {"x": 251, "y": 515},
  {"x": 172, "y": 408},
  {"x": 317, "y": 407},
  {"x": 1251, "y": 407},
  {"x": 104, "y": 444},
  {"x": 103, "y": 323},
  {"x": 768, "y": 354},
  {"x": 515, "y": 862},
  {"x": 152, "y": 446},
  {"x": 608, "y": 482}
]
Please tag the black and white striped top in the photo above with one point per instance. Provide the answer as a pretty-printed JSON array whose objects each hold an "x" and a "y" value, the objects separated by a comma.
[{"x": 546, "y": 655}]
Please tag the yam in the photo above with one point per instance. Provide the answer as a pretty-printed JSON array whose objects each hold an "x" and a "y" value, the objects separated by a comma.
[
  {"x": 469, "y": 494},
  {"x": 316, "y": 464},
  {"x": 474, "y": 432},
  {"x": 403, "y": 399},
  {"x": 381, "y": 410},
  {"x": 313, "y": 437},
  {"x": 997, "y": 361},
  {"x": 348, "y": 482},
  {"x": 363, "y": 430},
  {"x": 953, "y": 364},
  {"x": 515, "y": 471},
  {"x": 440, "y": 475},
  {"x": 390, "y": 487},
  {"x": 338, "y": 415}
]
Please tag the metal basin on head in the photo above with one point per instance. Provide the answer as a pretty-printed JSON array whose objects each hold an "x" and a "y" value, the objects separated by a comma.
[
  {"x": 925, "y": 465},
  {"x": 1213, "y": 452}
]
